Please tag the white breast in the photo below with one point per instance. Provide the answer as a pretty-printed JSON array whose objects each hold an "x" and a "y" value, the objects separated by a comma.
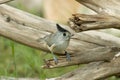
[{"x": 61, "y": 46}]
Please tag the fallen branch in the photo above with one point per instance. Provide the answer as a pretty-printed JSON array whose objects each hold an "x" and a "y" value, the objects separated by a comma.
[
  {"x": 94, "y": 71},
  {"x": 107, "y": 17},
  {"x": 84, "y": 57},
  {"x": 82, "y": 22}
]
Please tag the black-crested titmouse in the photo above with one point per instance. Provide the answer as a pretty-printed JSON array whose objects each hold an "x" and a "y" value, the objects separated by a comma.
[{"x": 58, "y": 41}]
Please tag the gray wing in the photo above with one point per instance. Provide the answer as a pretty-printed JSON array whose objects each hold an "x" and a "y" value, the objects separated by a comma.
[
  {"x": 53, "y": 39},
  {"x": 49, "y": 39}
]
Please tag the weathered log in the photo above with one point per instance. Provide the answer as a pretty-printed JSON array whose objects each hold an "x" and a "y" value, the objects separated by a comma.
[
  {"x": 82, "y": 22},
  {"x": 94, "y": 71}
]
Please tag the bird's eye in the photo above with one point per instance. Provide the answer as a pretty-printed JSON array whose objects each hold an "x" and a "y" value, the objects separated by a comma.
[{"x": 64, "y": 34}]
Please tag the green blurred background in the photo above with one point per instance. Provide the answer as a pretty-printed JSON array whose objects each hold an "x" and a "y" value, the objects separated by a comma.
[{"x": 17, "y": 60}]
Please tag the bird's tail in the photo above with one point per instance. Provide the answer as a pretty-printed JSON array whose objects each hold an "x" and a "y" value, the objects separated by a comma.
[{"x": 40, "y": 40}]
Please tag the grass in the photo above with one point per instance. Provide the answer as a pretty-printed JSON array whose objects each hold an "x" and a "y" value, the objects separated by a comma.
[
  {"x": 18, "y": 60},
  {"x": 14, "y": 58}
]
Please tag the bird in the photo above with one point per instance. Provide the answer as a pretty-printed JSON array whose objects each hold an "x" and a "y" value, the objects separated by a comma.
[{"x": 58, "y": 42}]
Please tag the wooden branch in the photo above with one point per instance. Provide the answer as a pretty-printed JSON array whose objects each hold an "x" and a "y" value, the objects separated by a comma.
[
  {"x": 5, "y": 1},
  {"x": 107, "y": 17},
  {"x": 111, "y": 7},
  {"x": 94, "y": 71},
  {"x": 82, "y": 22},
  {"x": 84, "y": 57},
  {"x": 27, "y": 29}
]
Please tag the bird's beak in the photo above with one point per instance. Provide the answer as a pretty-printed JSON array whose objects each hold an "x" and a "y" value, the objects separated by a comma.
[{"x": 72, "y": 35}]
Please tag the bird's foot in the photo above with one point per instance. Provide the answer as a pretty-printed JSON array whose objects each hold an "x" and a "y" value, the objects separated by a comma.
[
  {"x": 68, "y": 58},
  {"x": 55, "y": 59}
]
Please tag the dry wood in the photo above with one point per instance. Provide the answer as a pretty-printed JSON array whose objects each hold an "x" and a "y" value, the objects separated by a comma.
[
  {"x": 26, "y": 29},
  {"x": 85, "y": 47},
  {"x": 82, "y": 22},
  {"x": 94, "y": 71},
  {"x": 82, "y": 58},
  {"x": 107, "y": 17}
]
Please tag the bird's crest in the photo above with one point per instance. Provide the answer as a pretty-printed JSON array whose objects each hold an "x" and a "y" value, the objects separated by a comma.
[{"x": 60, "y": 28}]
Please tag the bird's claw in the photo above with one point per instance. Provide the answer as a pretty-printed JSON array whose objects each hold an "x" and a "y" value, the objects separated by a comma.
[
  {"x": 68, "y": 58},
  {"x": 55, "y": 60}
]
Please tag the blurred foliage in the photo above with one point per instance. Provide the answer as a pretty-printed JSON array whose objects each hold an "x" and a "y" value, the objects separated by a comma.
[
  {"x": 28, "y": 61},
  {"x": 31, "y": 6},
  {"x": 61, "y": 10},
  {"x": 23, "y": 61}
]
